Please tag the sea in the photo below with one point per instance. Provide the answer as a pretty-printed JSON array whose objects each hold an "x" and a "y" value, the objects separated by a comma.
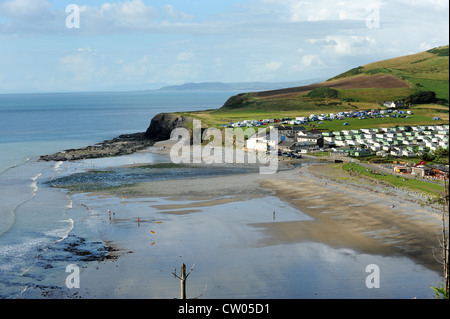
[
  {"x": 34, "y": 218},
  {"x": 44, "y": 229}
]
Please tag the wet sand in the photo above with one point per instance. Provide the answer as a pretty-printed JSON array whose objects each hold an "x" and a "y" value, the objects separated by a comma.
[
  {"x": 362, "y": 219},
  {"x": 367, "y": 218},
  {"x": 283, "y": 235}
]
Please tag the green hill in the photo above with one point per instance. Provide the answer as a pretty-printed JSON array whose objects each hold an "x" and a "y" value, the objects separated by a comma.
[
  {"x": 419, "y": 79},
  {"x": 424, "y": 71}
]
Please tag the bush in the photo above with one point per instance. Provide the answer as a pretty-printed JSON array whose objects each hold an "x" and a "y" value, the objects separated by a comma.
[
  {"x": 324, "y": 92},
  {"x": 439, "y": 51},
  {"x": 423, "y": 97},
  {"x": 428, "y": 157}
]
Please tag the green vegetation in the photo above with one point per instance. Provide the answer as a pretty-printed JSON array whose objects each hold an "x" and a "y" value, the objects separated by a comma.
[
  {"x": 354, "y": 71},
  {"x": 374, "y": 96},
  {"x": 428, "y": 188},
  {"x": 325, "y": 93},
  {"x": 427, "y": 73},
  {"x": 443, "y": 51},
  {"x": 423, "y": 115}
]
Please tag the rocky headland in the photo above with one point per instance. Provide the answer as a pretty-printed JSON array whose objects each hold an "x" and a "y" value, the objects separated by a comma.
[{"x": 160, "y": 128}]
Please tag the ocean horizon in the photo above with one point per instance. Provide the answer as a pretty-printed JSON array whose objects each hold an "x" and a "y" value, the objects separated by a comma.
[
  {"x": 33, "y": 216},
  {"x": 44, "y": 229}
]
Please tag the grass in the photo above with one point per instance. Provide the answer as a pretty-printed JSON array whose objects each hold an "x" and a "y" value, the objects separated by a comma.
[
  {"x": 422, "y": 116},
  {"x": 375, "y": 95},
  {"x": 428, "y": 188},
  {"x": 425, "y": 71}
]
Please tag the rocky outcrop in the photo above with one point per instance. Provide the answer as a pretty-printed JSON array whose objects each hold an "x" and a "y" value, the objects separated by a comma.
[
  {"x": 160, "y": 128},
  {"x": 162, "y": 125},
  {"x": 122, "y": 145}
]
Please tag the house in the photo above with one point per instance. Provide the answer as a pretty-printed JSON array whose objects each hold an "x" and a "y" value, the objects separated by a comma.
[
  {"x": 289, "y": 131},
  {"x": 286, "y": 145},
  {"x": 317, "y": 139},
  {"x": 402, "y": 169},
  {"x": 382, "y": 153},
  {"x": 392, "y": 104},
  {"x": 258, "y": 143},
  {"x": 360, "y": 152},
  {"x": 421, "y": 171},
  {"x": 304, "y": 147}
]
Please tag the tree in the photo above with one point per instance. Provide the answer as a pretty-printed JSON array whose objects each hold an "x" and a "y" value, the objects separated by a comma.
[
  {"x": 428, "y": 157},
  {"x": 443, "y": 290},
  {"x": 422, "y": 97}
]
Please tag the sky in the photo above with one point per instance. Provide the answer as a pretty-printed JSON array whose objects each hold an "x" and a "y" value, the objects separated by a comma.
[{"x": 101, "y": 45}]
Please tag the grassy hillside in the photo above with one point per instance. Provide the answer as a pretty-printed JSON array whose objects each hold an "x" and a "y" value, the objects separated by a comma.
[
  {"x": 424, "y": 71},
  {"x": 364, "y": 87}
]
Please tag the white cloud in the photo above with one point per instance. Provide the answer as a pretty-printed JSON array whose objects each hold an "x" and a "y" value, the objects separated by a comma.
[
  {"x": 129, "y": 13},
  {"x": 84, "y": 66},
  {"x": 136, "y": 69},
  {"x": 429, "y": 4},
  {"x": 311, "y": 60},
  {"x": 272, "y": 66},
  {"x": 345, "y": 45},
  {"x": 185, "y": 55},
  {"x": 175, "y": 14},
  {"x": 25, "y": 9},
  {"x": 324, "y": 10}
]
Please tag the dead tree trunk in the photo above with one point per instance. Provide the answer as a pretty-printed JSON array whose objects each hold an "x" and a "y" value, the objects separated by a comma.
[
  {"x": 183, "y": 276},
  {"x": 445, "y": 239},
  {"x": 183, "y": 281}
]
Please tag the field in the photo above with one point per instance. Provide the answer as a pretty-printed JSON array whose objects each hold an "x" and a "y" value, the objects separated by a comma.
[
  {"x": 422, "y": 115},
  {"x": 409, "y": 182}
]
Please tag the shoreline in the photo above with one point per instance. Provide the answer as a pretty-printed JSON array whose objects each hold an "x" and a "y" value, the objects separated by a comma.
[
  {"x": 354, "y": 214},
  {"x": 343, "y": 215},
  {"x": 124, "y": 144}
]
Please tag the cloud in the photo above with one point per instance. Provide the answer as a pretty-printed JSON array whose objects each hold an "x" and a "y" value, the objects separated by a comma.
[
  {"x": 323, "y": 10},
  {"x": 272, "y": 66},
  {"x": 347, "y": 45},
  {"x": 130, "y": 13},
  {"x": 84, "y": 66},
  {"x": 311, "y": 60},
  {"x": 25, "y": 9},
  {"x": 185, "y": 55},
  {"x": 175, "y": 14}
]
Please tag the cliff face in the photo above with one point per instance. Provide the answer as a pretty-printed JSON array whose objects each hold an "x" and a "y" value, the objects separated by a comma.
[{"x": 162, "y": 125}]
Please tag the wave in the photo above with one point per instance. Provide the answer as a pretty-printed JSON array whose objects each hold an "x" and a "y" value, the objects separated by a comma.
[
  {"x": 34, "y": 185},
  {"x": 61, "y": 233},
  {"x": 12, "y": 212},
  {"x": 4, "y": 170},
  {"x": 57, "y": 165}
]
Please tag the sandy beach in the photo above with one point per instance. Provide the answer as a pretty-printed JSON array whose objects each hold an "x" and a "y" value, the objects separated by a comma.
[
  {"x": 300, "y": 233},
  {"x": 368, "y": 219}
]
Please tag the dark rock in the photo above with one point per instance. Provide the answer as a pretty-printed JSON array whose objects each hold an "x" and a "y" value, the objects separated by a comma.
[
  {"x": 122, "y": 145},
  {"x": 162, "y": 125}
]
